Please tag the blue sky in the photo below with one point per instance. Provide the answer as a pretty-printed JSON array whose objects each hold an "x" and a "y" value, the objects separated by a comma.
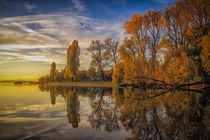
[
  {"x": 102, "y": 9},
  {"x": 33, "y": 33}
]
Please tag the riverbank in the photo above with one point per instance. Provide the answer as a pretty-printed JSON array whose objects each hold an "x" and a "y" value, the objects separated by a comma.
[{"x": 83, "y": 84}]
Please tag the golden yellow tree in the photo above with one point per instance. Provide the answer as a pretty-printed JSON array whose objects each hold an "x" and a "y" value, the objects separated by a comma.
[
  {"x": 137, "y": 30},
  {"x": 73, "y": 61},
  {"x": 154, "y": 24}
]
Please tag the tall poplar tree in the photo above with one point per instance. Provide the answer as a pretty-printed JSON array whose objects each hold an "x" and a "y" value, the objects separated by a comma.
[
  {"x": 53, "y": 72},
  {"x": 73, "y": 62}
]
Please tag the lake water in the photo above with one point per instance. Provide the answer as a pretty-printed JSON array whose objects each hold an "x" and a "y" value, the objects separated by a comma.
[{"x": 34, "y": 112}]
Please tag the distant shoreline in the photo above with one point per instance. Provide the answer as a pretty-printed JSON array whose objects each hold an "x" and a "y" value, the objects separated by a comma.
[
  {"x": 78, "y": 84},
  {"x": 83, "y": 84}
]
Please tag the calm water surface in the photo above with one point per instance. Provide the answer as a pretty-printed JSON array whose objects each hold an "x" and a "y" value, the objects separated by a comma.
[{"x": 36, "y": 112}]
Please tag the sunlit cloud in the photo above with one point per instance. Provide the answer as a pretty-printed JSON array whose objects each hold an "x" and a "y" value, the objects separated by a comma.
[
  {"x": 12, "y": 47},
  {"x": 39, "y": 37},
  {"x": 8, "y": 53},
  {"x": 36, "y": 58}
]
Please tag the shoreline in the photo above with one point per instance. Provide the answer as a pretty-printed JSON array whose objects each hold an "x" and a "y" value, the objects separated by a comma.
[{"x": 82, "y": 84}]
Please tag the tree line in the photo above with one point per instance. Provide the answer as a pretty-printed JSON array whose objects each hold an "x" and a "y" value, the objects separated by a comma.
[
  {"x": 104, "y": 57},
  {"x": 169, "y": 46}
]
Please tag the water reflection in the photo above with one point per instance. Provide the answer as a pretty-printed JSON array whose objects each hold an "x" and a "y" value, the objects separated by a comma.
[
  {"x": 104, "y": 112},
  {"x": 72, "y": 103},
  {"x": 147, "y": 114}
]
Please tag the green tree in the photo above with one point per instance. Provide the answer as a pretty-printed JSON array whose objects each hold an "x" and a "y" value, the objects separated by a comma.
[{"x": 73, "y": 61}]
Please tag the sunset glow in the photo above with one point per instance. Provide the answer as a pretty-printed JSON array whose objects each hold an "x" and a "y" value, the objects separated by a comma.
[{"x": 35, "y": 33}]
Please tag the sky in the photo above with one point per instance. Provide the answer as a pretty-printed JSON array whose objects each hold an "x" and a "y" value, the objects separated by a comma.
[{"x": 34, "y": 33}]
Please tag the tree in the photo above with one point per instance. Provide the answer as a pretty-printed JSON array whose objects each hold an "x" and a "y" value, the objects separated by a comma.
[
  {"x": 206, "y": 53},
  {"x": 187, "y": 23},
  {"x": 44, "y": 79},
  {"x": 73, "y": 62},
  {"x": 60, "y": 75},
  {"x": 53, "y": 72},
  {"x": 112, "y": 47},
  {"x": 99, "y": 57},
  {"x": 154, "y": 24},
  {"x": 117, "y": 76},
  {"x": 82, "y": 75},
  {"x": 138, "y": 32},
  {"x": 92, "y": 74},
  {"x": 175, "y": 28}
]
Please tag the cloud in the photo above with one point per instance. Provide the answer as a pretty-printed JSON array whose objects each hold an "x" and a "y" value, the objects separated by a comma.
[
  {"x": 47, "y": 36},
  {"x": 21, "y": 53},
  {"x": 78, "y": 5},
  {"x": 57, "y": 29},
  {"x": 29, "y": 7}
]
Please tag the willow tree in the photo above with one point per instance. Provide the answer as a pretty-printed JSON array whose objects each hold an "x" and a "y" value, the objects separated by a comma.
[
  {"x": 73, "y": 62},
  {"x": 53, "y": 72}
]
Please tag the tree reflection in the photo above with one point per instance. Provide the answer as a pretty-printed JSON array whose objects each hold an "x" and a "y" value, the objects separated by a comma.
[
  {"x": 174, "y": 115},
  {"x": 72, "y": 103},
  {"x": 104, "y": 113},
  {"x": 53, "y": 95},
  {"x": 147, "y": 114}
]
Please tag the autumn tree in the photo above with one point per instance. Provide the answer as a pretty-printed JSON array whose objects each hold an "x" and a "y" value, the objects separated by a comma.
[
  {"x": 118, "y": 75},
  {"x": 91, "y": 73},
  {"x": 144, "y": 34},
  {"x": 196, "y": 14},
  {"x": 44, "y": 79},
  {"x": 60, "y": 75},
  {"x": 73, "y": 61},
  {"x": 53, "y": 72},
  {"x": 99, "y": 57},
  {"x": 175, "y": 28},
  {"x": 154, "y": 24},
  {"x": 82, "y": 75},
  {"x": 112, "y": 47},
  {"x": 137, "y": 30},
  {"x": 205, "y": 53},
  {"x": 187, "y": 27}
]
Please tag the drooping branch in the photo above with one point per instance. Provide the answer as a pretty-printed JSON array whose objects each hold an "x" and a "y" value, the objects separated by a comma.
[{"x": 148, "y": 78}]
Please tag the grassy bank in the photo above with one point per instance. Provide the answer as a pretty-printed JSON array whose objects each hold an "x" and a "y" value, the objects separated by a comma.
[{"x": 83, "y": 84}]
